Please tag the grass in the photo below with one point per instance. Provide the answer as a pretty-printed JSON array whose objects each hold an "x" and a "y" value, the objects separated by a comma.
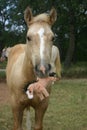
[
  {"x": 3, "y": 64},
  {"x": 67, "y": 107},
  {"x": 78, "y": 70},
  {"x": 2, "y": 75}
]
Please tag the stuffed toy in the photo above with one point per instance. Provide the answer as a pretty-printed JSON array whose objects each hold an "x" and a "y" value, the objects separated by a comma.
[{"x": 39, "y": 87}]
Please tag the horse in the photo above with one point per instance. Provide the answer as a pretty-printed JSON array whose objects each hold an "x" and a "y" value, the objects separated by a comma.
[
  {"x": 28, "y": 61},
  {"x": 5, "y": 53}
]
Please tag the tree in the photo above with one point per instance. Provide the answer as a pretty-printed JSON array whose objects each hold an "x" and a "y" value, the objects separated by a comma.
[
  {"x": 72, "y": 19},
  {"x": 72, "y": 34},
  {"x": 68, "y": 29}
]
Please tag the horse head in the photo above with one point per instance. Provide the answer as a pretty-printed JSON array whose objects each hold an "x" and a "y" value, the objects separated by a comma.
[{"x": 39, "y": 40}]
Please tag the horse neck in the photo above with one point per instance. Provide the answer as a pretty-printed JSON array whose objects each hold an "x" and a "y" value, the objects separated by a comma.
[{"x": 28, "y": 71}]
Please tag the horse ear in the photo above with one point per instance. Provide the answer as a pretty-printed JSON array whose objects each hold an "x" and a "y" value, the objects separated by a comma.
[
  {"x": 28, "y": 15},
  {"x": 53, "y": 15}
]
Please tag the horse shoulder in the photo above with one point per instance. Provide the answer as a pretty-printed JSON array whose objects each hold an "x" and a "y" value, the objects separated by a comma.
[{"x": 15, "y": 61}]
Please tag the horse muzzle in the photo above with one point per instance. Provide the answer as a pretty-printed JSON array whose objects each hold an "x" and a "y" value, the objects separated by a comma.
[{"x": 42, "y": 70}]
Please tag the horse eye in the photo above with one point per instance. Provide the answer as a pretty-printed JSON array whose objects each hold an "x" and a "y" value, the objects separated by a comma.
[{"x": 28, "y": 38}]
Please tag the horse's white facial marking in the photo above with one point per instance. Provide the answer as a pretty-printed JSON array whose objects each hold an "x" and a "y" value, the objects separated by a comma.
[{"x": 42, "y": 47}]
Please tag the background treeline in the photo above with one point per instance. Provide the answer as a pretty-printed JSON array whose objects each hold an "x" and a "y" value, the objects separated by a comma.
[{"x": 70, "y": 28}]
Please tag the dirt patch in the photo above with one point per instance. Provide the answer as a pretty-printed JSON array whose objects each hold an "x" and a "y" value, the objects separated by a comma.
[
  {"x": 2, "y": 80},
  {"x": 4, "y": 93}
]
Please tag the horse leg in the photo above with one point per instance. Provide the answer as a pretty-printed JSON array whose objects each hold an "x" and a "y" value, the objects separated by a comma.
[
  {"x": 39, "y": 114},
  {"x": 18, "y": 116}
]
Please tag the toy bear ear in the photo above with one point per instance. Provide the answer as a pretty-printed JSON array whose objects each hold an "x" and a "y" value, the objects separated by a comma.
[
  {"x": 28, "y": 15},
  {"x": 53, "y": 15}
]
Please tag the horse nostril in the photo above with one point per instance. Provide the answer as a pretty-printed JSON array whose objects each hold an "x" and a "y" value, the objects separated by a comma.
[
  {"x": 42, "y": 70},
  {"x": 49, "y": 67},
  {"x": 36, "y": 67}
]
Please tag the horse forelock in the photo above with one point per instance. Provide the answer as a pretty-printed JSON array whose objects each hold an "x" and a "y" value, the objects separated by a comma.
[{"x": 40, "y": 18}]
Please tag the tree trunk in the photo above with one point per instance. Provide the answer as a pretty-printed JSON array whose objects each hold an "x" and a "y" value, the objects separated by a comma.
[
  {"x": 71, "y": 48},
  {"x": 70, "y": 51}
]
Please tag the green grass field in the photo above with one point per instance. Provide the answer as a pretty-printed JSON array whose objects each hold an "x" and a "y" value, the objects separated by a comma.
[{"x": 67, "y": 107}]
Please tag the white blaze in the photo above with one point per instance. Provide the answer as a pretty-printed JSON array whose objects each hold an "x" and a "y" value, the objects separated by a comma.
[{"x": 42, "y": 47}]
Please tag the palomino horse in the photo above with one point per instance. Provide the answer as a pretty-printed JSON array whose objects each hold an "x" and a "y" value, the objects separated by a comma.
[{"x": 29, "y": 61}]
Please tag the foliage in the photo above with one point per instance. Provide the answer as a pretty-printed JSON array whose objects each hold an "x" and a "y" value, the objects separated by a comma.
[
  {"x": 3, "y": 64},
  {"x": 13, "y": 28},
  {"x": 78, "y": 70}
]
